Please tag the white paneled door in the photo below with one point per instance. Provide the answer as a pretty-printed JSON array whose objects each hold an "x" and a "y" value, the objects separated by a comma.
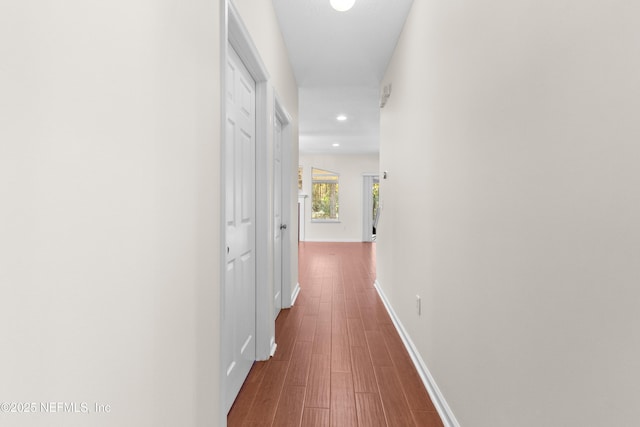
[
  {"x": 239, "y": 314},
  {"x": 279, "y": 226}
]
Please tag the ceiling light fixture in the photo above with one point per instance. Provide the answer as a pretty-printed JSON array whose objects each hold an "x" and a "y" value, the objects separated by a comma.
[
  {"x": 342, "y": 5},
  {"x": 341, "y": 118},
  {"x": 335, "y": 144}
]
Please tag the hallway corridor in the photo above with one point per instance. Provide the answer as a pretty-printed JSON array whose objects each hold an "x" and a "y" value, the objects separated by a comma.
[{"x": 339, "y": 361}]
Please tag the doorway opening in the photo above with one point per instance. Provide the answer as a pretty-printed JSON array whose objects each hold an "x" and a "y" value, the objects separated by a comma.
[{"x": 371, "y": 207}]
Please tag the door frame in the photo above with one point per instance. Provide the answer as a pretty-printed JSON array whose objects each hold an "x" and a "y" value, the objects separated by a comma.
[{"x": 236, "y": 34}]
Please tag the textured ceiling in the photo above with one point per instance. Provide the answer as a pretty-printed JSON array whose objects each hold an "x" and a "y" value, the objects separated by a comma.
[{"x": 339, "y": 59}]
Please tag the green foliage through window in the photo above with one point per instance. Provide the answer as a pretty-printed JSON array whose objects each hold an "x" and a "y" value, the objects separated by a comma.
[
  {"x": 324, "y": 197},
  {"x": 376, "y": 199}
]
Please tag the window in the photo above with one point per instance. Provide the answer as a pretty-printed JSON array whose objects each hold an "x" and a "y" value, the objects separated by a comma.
[
  {"x": 375, "y": 192},
  {"x": 324, "y": 199}
]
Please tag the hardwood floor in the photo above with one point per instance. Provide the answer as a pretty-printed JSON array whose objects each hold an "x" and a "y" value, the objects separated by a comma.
[{"x": 340, "y": 361}]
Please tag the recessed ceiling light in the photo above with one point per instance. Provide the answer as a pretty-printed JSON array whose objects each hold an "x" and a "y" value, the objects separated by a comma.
[
  {"x": 335, "y": 144},
  {"x": 341, "y": 118},
  {"x": 342, "y": 5}
]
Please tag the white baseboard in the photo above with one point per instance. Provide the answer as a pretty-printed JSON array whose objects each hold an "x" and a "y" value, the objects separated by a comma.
[
  {"x": 295, "y": 293},
  {"x": 437, "y": 398}
]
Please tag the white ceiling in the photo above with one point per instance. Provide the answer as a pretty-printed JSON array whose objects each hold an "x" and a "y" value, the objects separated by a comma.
[{"x": 339, "y": 59}]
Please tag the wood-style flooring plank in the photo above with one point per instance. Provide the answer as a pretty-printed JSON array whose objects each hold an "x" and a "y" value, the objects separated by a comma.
[
  {"x": 324, "y": 312},
  {"x": 414, "y": 390},
  {"x": 369, "y": 319},
  {"x": 339, "y": 319},
  {"x": 382, "y": 315},
  {"x": 287, "y": 331},
  {"x": 244, "y": 401},
  {"x": 351, "y": 306},
  {"x": 289, "y": 413},
  {"x": 285, "y": 335},
  {"x": 338, "y": 284},
  {"x": 315, "y": 287},
  {"x": 266, "y": 400},
  {"x": 350, "y": 293},
  {"x": 367, "y": 296},
  {"x": 318, "y": 384},
  {"x": 312, "y": 307},
  {"x": 340, "y": 353},
  {"x": 343, "y": 403},
  {"x": 378, "y": 349},
  {"x": 427, "y": 419},
  {"x": 326, "y": 293},
  {"x": 315, "y": 417},
  {"x": 307, "y": 328},
  {"x": 322, "y": 339},
  {"x": 337, "y": 305},
  {"x": 369, "y": 410},
  {"x": 392, "y": 396},
  {"x": 356, "y": 333},
  {"x": 364, "y": 378},
  {"x": 299, "y": 365}
]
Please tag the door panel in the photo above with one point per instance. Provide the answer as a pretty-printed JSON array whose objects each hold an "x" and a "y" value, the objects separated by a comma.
[{"x": 240, "y": 279}]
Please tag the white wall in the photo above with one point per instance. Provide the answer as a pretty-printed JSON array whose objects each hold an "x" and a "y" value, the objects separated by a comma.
[
  {"x": 511, "y": 141},
  {"x": 350, "y": 167},
  {"x": 110, "y": 209},
  {"x": 109, "y": 218}
]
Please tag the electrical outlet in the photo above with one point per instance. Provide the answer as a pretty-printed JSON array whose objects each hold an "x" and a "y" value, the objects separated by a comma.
[{"x": 419, "y": 304}]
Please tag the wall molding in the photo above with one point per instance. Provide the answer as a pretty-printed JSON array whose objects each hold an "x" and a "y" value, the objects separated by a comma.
[{"x": 437, "y": 398}]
